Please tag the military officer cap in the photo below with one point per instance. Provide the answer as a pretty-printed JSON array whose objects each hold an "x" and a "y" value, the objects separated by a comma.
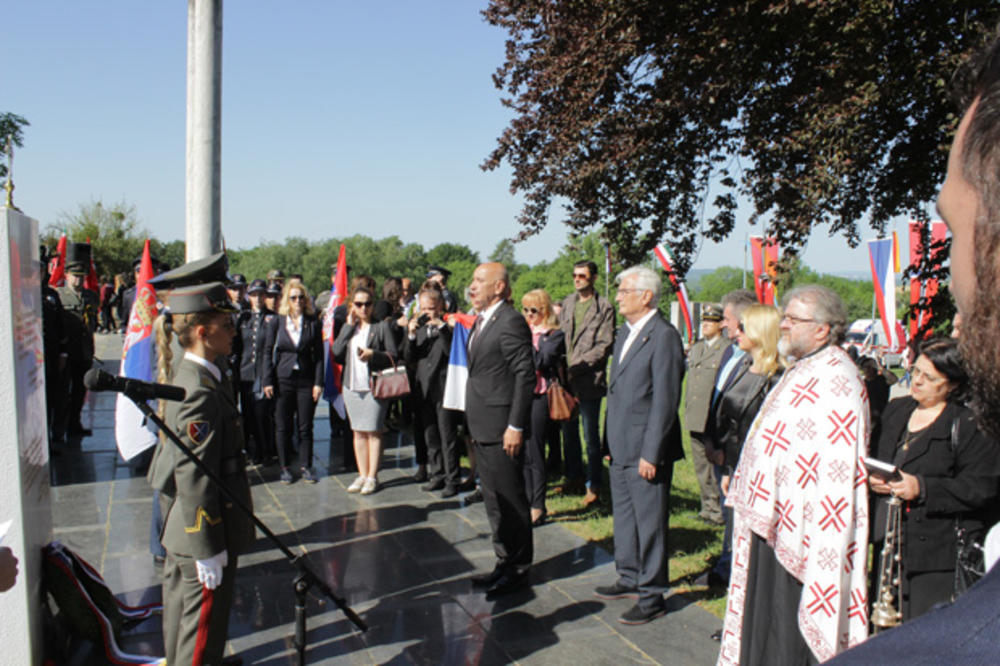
[
  {"x": 275, "y": 274},
  {"x": 137, "y": 262},
  {"x": 256, "y": 286},
  {"x": 211, "y": 297},
  {"x": 213, "y": 268},
  {"x": 273, "y": 289},
  {"x": 711, "y": 312},
  {"x": 238, "y": 280},
  {"x": 78, "y": 258},
  {"x": 438, "y": 270}
]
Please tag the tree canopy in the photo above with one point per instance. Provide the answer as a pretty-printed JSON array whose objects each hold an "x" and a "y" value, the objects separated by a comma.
[
  {"x": 11, "y": 125},
  {"x": 636, "y": 112}
]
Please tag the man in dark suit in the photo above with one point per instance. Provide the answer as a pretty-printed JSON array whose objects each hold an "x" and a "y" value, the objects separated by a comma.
[
  {"x": 427, "y": 346},
  {"x": 497, "y": 410},
  {"x": 644, "y": 435}
]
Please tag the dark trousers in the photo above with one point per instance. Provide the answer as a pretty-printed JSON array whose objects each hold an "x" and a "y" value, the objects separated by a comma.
[
  {"x": 642, "y": 516},
  {"x": 258, "y": 423},
  {"x": 195, "y": 620},
  {"x": 77, "y": 392},
  {"x": 414, "y": 407},
  {"x": 295, "y": 401},
  {"x": 534, "y": 451},
  {"x": 437, "y": 427},
  {"x": 502, "y": 485},
  {"x": 589, "y": 412}
]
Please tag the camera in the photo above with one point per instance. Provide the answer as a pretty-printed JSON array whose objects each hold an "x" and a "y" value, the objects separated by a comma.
[{"x": 423, "y": 319}]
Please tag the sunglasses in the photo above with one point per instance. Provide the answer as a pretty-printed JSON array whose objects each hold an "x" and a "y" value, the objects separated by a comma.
[
  {"x": 297, "y": 298},
  {"x": 582, "y": 276},
  {"x": 362, "y": 304},
  {"x": 533, "y": 311},
  {"x": 740, "y": 328}
]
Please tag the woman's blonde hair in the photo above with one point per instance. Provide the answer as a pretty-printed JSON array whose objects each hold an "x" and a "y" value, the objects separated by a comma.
[
  {"x": 165, "y": 327},
  {"x": 307, "y": 306},
  {"x": 761, "y": 326},
  {"x": 539, "y": 298}
]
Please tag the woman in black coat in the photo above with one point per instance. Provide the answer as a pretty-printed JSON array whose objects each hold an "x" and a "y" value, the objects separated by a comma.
[
  {"x": 295, "y": 374},
  {"x": 949, "y": 471},
  {"x": 549, "y": 344}
]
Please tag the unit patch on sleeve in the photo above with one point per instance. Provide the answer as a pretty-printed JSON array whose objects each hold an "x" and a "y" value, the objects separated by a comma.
[{"x": 199, "y": 431}]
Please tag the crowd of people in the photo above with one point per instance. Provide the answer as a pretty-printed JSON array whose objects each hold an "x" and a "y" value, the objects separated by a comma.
[{"x": 797, "y": 449}]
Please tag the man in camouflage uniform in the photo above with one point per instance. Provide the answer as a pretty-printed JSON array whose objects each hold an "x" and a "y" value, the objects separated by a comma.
[{"x": 81, "y": 307}]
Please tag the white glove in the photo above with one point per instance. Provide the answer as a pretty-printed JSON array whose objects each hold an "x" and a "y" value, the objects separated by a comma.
[{"x": 210, "y": 570}]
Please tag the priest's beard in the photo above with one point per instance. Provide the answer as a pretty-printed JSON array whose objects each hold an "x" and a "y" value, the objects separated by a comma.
[
  {"x": 979, "y": 342},
  {"x": 785, "y": 349}
]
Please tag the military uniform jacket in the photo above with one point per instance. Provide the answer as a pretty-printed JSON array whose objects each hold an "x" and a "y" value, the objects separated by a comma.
[
  {"x": 81, "y": 308},
  {"x": 201, "y": 520},
  {"x": 703, "y": 364}
]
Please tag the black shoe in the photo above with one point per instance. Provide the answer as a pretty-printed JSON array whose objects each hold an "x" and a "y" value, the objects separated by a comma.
[
  {"x": 487, "y": 580},
  {"x": 507, "y": 583},
  {"x": 449, "y": 491},
  {"x": 473, "y": 497},
  {"x": 715, "y": 580},
  {"x": 616, "y": 591},
  {"x": 717, "y": 635},
  {"x": 431, "y": 486},
  {"x": 308, "y": 476},
  {"x": 639, "y": 615},
  {"x": 467, "y": 485},
  {"x": 420, "y": 476}
]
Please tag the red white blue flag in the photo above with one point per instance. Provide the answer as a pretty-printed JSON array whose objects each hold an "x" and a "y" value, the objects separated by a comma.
[
  {"x": 332, "y": 382},
  {"x": 662, "y": 253},
  {"x": 132, "y": 432},
  {"x": 884, "y": 279},
  {"x": 458, "y": 363}
]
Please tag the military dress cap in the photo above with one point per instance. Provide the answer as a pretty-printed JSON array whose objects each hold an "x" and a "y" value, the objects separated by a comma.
[
  {"x": 211, "y": 297},
  {"x": 273, "y": 289},
  {"x": 213, "y": 268},
  {"x": 238, "y": 280},
  {"x": 78, "y": 258},
  {"x": 711, "y": 312},
  {"x": 137, "y": 262},
  {"x": 257, "y": 285},
  {"x": 438, "y": 270},
  {"x": 275, "y": 274}
]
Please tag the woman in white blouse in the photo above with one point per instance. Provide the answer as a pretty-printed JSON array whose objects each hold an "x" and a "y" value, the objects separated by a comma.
[{"x": 363, "y": 347}]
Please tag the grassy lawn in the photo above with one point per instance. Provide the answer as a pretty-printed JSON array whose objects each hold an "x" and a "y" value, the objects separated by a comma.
[{"x": 693, "y": 543}]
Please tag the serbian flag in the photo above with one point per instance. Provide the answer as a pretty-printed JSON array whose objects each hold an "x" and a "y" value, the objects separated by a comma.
[
  {"x": 666, "y": 260},
  {"x": 458, "y": 363},
  {"x": 332, "y": 382},
  {"x": 57, "y": 265},
  {"x": 132, "y": 433},
  {"x": 91, "y": 282},
  {"x": 884, "y": 278}
]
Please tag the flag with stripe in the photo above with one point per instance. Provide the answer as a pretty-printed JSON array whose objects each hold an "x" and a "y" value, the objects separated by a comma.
[
  {"x": 458, "y": 363},
  {"x": 662, "y": 253},
  {"x": 132, "y": 433},
  {"x": 884, "y": 279},
  {"x": 57, "y": 265},
  {"x": 332, "y": 381}
]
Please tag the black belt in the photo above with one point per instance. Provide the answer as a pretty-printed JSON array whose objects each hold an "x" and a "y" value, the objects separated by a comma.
[{"x": 232, "y": 465}]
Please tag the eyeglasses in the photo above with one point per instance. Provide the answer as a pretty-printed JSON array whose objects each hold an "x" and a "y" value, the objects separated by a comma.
[
  {"x": 298, "y": 297},
  {"x": 798, "y": 320},
  {"x": 362, "y": 304},
  {"x": 631, "y": 291},
  {"x": 581, "y": 276},
  {"x": 917, "y": 373},
  {"x": 533, "y": 311}
]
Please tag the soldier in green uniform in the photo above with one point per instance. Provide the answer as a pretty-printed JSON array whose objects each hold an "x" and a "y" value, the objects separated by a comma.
[
  {"x": 203, "y": 532},
  {"x": 81, "y": 307}
]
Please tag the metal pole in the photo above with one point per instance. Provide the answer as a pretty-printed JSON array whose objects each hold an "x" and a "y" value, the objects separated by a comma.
[{"x": 203, "y": 207}]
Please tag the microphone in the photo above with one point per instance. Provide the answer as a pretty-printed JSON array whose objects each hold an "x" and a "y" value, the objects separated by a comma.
[{"x": 99, "y": 380}]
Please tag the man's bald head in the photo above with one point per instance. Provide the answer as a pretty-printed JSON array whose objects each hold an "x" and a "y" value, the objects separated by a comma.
[{"x": 490, "y": 284}]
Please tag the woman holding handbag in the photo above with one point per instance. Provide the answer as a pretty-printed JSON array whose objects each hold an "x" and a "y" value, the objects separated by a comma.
[
  {"x": 550, "y": 363},
  {"x": 949, "y": 475},
  {"x": 295, "y": 372},
  {"x": 364, "y": 347}
]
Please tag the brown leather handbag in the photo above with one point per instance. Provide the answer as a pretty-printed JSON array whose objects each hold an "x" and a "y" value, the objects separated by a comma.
[
  {"x": 561, "y": 402},
  {"x": 390, "y": 383}
]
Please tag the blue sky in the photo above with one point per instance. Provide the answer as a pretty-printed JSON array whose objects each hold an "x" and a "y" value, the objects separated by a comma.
[{"x": 338, "y": 118}]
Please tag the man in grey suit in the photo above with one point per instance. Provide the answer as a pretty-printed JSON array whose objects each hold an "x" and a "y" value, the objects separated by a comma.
[
  {"x": 498, "y": 398},
  {"x": 644, "y": 435}
]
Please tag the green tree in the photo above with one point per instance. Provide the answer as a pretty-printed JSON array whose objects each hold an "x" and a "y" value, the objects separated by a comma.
[
  {"x": 116, "y": 235},
  {"x": 11, "y": 125},
  {"x": 632, "y": 111},
  {"x": 713, "y": 286},
  {"x": 445, "y": 254}
]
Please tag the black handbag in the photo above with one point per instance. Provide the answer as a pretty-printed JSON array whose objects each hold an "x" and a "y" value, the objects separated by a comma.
[{"x": 970, "y": 565}]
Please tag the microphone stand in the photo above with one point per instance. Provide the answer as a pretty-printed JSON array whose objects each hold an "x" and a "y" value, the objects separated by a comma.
[{"x": 305, "y": 579}]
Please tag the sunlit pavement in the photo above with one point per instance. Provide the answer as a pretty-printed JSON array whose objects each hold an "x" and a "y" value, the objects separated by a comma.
[{"x": 401, "y": 558}]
